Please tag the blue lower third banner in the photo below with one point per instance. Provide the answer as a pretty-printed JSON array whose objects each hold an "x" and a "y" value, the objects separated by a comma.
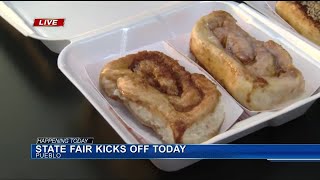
[{"x": 175, "y": 151}]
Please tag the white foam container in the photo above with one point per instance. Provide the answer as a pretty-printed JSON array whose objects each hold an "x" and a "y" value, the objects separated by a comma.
[{"x": 160, "y": 22}]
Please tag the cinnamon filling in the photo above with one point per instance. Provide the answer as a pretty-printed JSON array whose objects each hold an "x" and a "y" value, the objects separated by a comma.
[{"x": 169, "y": 78}]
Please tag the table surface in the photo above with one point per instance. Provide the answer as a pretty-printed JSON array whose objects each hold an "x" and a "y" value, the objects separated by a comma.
[{"x": 38, "y": 100}]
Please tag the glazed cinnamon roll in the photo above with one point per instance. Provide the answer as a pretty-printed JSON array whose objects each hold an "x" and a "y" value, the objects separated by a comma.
[
  {"x": 179, "y": 106},
  {"x": 260, "y": 75}
]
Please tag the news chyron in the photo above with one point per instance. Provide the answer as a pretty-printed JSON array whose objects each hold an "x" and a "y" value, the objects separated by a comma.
[{"x": 51, "y": 145}]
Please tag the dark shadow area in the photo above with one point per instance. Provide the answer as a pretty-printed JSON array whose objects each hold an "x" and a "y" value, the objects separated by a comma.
[{"x": 35, "y": 62}]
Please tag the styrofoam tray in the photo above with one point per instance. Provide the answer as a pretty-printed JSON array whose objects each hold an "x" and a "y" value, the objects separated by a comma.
[
  {"x": 82, "y": 18},
  {"x": 74, "y": 59},
  {"x": 167, "y": 23}
]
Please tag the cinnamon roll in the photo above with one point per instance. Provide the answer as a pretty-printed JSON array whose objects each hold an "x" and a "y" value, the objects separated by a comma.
[
  {"x": 260, "y": 75},
  {"x": 179, "y": 106},
  {"x": 303, "y": 16}
]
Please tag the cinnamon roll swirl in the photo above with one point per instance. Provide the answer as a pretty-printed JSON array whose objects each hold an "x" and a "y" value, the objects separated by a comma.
[
  {"x": 179, "y": 106},
  {"x": 260, "y": 75}
]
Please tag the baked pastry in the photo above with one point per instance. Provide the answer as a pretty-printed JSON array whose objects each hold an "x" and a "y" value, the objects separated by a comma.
[
  {"x": 303, "y": 16},
  {"x": 260, "y": 75},
  {"x": 179, "y": 106}
]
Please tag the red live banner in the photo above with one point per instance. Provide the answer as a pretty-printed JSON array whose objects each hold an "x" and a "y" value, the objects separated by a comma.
[{"x": 48, "y": 22}]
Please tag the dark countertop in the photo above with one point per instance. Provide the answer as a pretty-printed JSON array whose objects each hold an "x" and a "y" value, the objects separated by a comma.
[{"x": 38, "y": 100}]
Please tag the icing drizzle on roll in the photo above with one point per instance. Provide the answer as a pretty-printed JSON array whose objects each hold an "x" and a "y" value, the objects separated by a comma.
[{"x": 262, "y": 59}]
